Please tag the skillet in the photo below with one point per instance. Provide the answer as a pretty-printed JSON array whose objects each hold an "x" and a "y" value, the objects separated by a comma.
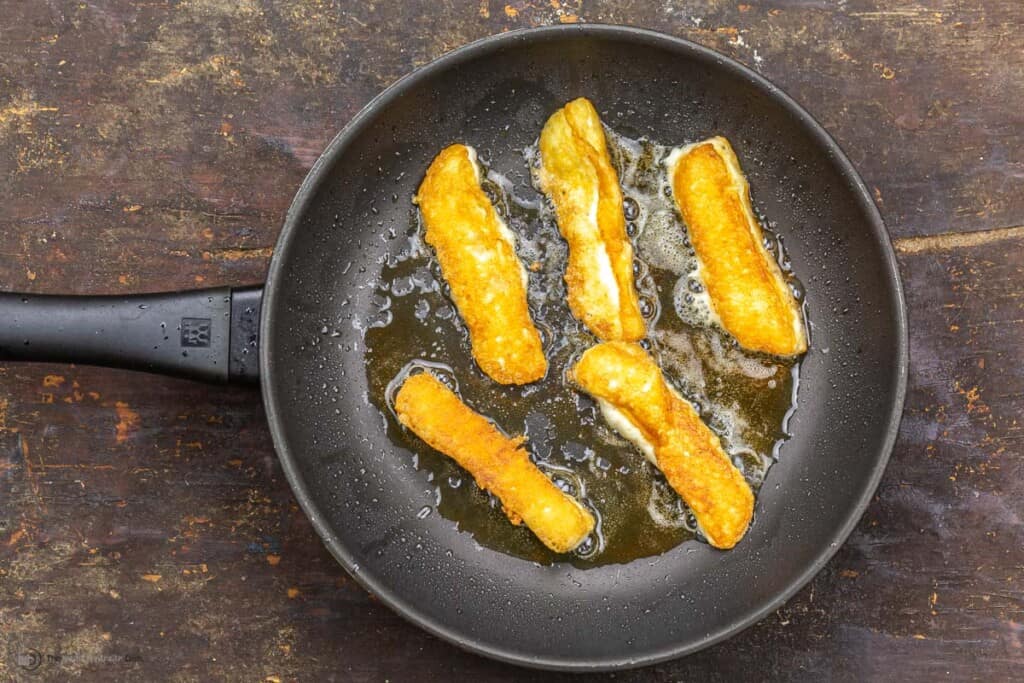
[{"x": 357, "y": 486}]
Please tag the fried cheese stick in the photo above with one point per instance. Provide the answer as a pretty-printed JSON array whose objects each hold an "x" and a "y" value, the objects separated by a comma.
[
  {"x": 577, "y": 174},
  {"x": 478, "y": 259},
  {"x": 638, "y": 403},
  {"x": 499, "y": 464},
  {"x": 745, "y": 285}
]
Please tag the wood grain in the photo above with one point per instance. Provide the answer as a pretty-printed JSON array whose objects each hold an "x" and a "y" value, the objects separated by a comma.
[{"x": 154, "y": 145}]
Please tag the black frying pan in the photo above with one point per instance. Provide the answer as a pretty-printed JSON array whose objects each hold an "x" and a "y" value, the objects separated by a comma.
[{"x": 496, "y": 94}]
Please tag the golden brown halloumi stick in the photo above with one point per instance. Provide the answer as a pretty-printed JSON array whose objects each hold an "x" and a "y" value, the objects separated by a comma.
[
  {"x": 478, "y": 259},
  {"x": 577, "y": 174},
  {"x": 745, "y": 285},
  {"x": 639, "y": 404},
  {"x": 498, "y": 463}
]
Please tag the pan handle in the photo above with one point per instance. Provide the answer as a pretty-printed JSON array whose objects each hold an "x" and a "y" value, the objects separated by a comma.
[{"x": 206, "y": 334}]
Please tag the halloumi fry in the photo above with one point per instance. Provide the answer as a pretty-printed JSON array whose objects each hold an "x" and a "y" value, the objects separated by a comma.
[
  {"x": 478, "y": 259},
  {"x": 577, "y": 174},
  {"x": 745, "y": 285},
  {"x": 638, "y": 403},
  {"x": 498, "y": 463}
]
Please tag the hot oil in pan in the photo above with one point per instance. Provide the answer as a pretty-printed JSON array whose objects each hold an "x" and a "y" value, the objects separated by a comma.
[{"x": 745, "y": 398}]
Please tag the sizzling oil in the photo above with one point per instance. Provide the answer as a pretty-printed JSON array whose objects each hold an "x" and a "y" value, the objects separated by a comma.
[{"x": 745, "y": 398}]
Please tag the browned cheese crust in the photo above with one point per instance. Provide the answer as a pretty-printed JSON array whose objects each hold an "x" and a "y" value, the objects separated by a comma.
[
  {"x": 477, "y": 254},
  {"x": 498, "y": 463},
  {"x": 629, "y": 386},
  {"x": 745, "y": 285},
  {"x": 577, "y": 174}
]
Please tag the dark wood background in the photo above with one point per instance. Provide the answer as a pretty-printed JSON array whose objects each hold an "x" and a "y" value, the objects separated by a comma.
[{"x": 156, "y": 145}]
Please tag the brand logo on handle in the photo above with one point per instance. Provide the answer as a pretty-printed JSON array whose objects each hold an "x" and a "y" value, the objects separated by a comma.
[
  {"x": 29, "y": 659},
  {"x": 195, "y": 332}
]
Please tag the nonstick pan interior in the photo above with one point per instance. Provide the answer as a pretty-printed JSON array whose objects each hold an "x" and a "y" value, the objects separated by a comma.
[{"x": 363, "y": 493}]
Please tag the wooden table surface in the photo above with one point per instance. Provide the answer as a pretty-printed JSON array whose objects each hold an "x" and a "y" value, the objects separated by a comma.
[{"x": 146, "y": 530}]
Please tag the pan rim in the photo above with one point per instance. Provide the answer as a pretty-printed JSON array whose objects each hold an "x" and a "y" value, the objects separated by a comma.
[{"x": 305, "y": 195}]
